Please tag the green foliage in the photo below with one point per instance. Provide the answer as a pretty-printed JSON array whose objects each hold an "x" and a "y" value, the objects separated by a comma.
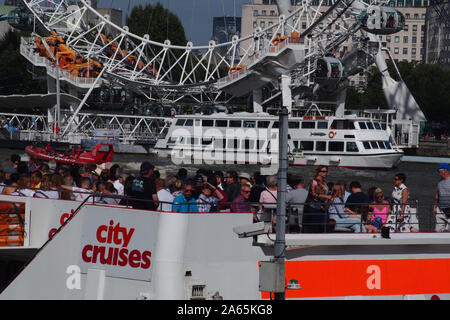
[
  {"x": 156, "y": 21},
  {"x": 14, "y": 78},
  {"x": 429, "y": 84}
]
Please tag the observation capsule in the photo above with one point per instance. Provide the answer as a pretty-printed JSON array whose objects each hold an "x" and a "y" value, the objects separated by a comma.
[
  {"x": 329, "y": 68},
  {"x": 381, "y": 20}
]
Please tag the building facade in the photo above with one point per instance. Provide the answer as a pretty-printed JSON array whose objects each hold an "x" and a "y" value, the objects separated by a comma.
[
  {"x": 437, "y": 48},
  {"x": 407, "y": 44}
]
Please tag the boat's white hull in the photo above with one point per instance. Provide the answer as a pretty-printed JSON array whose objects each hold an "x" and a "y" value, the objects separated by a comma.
[
  {"x": 107, "y": 252},
  {"x": 371, "y": 161}
]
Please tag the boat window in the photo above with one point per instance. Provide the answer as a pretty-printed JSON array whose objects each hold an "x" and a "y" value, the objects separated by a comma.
[
  {"x": 370, "y": 125},
  {"x": 381, "y": 144},
  {"x": 352, "y": 147},
  {"x": 188, "y": 123},
  {"x": 172, "y": 140},
  {"x": 219, "y": 143},
  {"x": 263, "y": 124},
  {"x": 193, "y": 141},
  {"x": 307, "y": 145},
  {"x": 349, "y": 136},
  {"x": 206, "y": 141},
  {"x": 221, "y": 123},
  {"x": 180, "y": 122},
  {"x": 249, "y": 124},
  {"x": 377, "y": 125},
  {"x": 260, "y": 144},
  {"x": 249, "y": 144},
  {"x": 322, "y": 125},
  {"x": 230, "y": 143},
  {"x": 335, "y": 146},
  {"x": 321, "y": 145},
  {"x": 366, "y": 145},
  {"x": 207, "y": 123},
  {"x": 276, "y": 125},
  {"x": 342, "y": 124},
  {"x": 294, "y": 124},
  {"x": 388, "y": 145},
  {"x": 295, "y": 144},
  {"x": 362, "y": 125},
  {"x": 197, "y": 122},
  {"x": 235, "y": 123},
  {"x": 374, "y": 144},
  {"x": 308, "y": 124}
]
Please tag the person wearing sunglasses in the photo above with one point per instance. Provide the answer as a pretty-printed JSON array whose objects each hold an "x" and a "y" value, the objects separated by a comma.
[
  {"x": 241, "y": 203},
  {"x": 403, "y": 215},
  {"x": 185, "y": 202},
  {"x": 318, "y": 188}
]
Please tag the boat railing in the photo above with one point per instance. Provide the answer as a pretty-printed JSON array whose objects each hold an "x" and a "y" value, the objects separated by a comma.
[{"x": 306, "y": 217}]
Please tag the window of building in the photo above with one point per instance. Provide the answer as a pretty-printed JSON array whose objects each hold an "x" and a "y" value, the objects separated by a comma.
[
  {"x": 262, "y": 24},
  {"x": 416, "y": 16},
  {"x": 263, "y": 12},
  {"x": 407, "y": 16},
  {"x": 255, "y": 24},
  {"x": 272, "y": 12},
  {"x": 396, "y": 50},
  {"x": 414, "y": 27},
  {"x": 400, "y": 3},
  {"x": 397, "y": 39},
  {"x": 413, "y": 51},
  {"x": 405, "y": 27},
  {"x": 414, "y": 39},
  {"x": 405, "y": 50},
  {"x": 255, "y": 13},
  {"x": 270, "y": 23},
  {"x": 405, "y": 39},
  {"x": 418, "y": 3},
  {"x": 408, "y": 3},
  {"x": 424, "y": 16},
  {"x": 388, "y": 38}
]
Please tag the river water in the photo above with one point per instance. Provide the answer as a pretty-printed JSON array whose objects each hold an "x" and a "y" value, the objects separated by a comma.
[{"x": 421, "y": 178}]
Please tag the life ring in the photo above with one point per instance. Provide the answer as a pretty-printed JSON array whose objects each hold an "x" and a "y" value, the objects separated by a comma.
[{"x": 331, "y": 134}]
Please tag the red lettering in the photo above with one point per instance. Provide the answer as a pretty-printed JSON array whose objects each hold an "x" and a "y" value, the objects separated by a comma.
[
  {"x": 51, "y": 233},
  {"x": 146, "y": 259},
  {"x": 116, "y": 256},
  {"x": 95, "y": 253},
  {"x": 100, "y": 229},
  {"x": 134, "y": 258},
  {"x": 111, "y": 230},
  {"x": 123, "y": 255},
  {"x": 84, "y": 253},
  {"x": 107, "y": 260},
  {"x": 63, "y": 218}
]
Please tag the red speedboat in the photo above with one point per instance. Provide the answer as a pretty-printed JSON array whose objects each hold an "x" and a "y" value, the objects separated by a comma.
[{"x": 78, "y": 156}]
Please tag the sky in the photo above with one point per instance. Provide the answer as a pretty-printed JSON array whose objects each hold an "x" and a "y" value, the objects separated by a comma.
[{"x": 196, "y": 15}]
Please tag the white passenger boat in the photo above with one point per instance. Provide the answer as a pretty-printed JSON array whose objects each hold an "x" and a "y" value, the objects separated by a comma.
[
  {"x": 114, "y": 252},
  {"x": 252, "y": 138}
]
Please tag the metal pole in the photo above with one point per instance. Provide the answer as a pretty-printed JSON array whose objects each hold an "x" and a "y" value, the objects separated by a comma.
[
  {"x": 280, "y": 241},
  {"x": 58, "y": 101}
]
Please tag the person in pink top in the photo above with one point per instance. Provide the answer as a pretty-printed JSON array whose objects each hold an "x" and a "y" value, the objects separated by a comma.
[{"x": 380, "y": 209}]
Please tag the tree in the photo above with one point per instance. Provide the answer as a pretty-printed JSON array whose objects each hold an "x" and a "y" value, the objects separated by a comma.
[
  {"x": 159, "y": 23},
  {"x": 429, "y": 84},
  {"x": 14, "y": 78}
]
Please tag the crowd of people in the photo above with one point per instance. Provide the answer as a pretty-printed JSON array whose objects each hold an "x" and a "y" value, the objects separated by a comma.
[{"x": 314, "y": 206}]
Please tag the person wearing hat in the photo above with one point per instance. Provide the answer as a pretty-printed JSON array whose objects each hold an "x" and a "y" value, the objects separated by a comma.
[
  {"x": 441, "y": 208},
  {"x": 244, "y": 178},
  {"x": 144, "y": 187}
]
